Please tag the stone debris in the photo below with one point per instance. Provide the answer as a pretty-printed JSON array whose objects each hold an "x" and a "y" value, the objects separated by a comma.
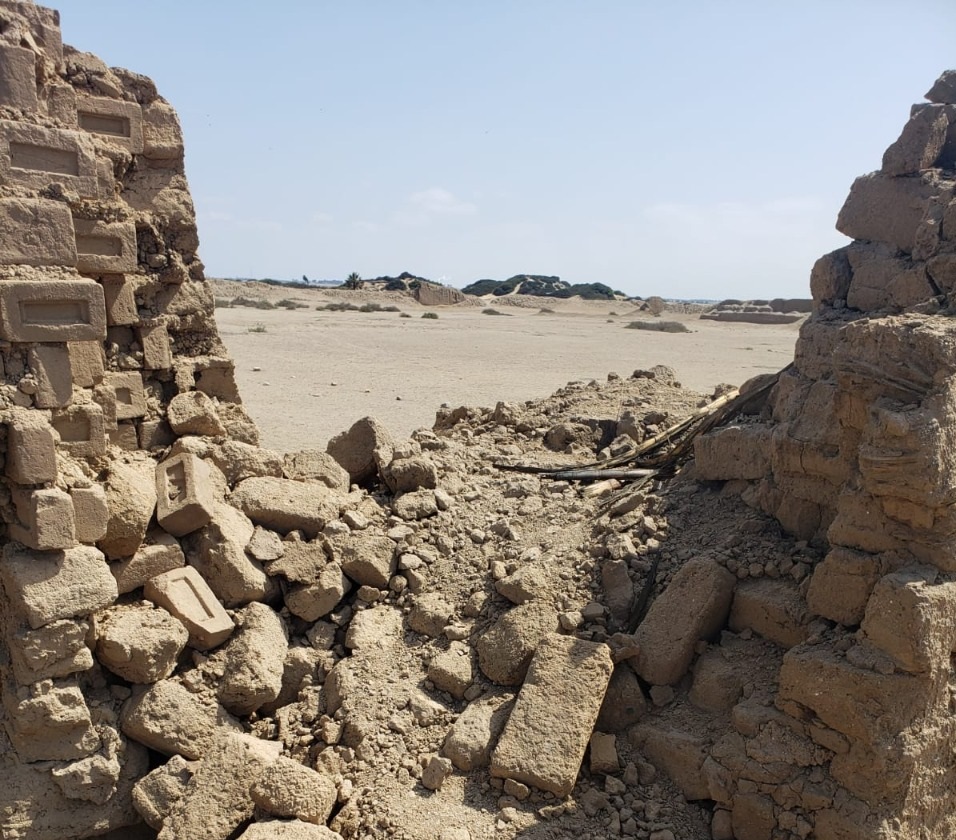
[
  {"x": 546, "y": 735},
  {"x": 214, "y": 640}
]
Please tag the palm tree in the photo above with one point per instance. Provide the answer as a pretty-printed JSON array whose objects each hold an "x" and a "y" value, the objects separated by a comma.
[{"x": 354, "y": 281}]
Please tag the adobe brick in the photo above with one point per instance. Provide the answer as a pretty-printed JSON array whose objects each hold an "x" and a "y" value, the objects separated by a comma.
[
  {"x": 187, "y": 596},
  {"x": 105, "y": 247},
  {"x": 52, "y": 311}
]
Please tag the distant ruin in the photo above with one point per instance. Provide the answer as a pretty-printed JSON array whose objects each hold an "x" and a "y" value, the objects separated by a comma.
[{"x": 191, "y": 623}]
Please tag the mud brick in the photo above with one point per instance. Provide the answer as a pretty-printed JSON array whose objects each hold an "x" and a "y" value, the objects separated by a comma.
[
  {"x": 693, "y": 607},
  {"x": 155, "y": 434},
  {"x": 112, "y": 119},
  {"x": 184, "y": 494},
  {"x": 162, "y": 136},
  {"x": 82, "y": 430},
  {"x": 35, "y": 157},
  {"x": 120, "y": 300},
  {"x": 52, "y": 311},
  {"x": 86, "y": 363},
  {"x": 50, "y": 364},
  {"x": 187, "y": 596},
  {"x": 36, "y": 232},
  {"x": 56, "y": 650},
  {"x": 544, "y": 740},
  {"x": 105, "y": 247},
  {"x": 90, "y": 512},
  {"x": 157, "y": 351},
  {"x": 163, "y": 555},
  {"x": 31, "y": 450},
  {"x": 173, "y": 721},
  {"x": 130, "y": 398},
  {"x": 18, "y": 78},
  {"x": 46, "y": 519},
  {"x": 124, "y": 436},
  {"x": 49, "y": 585},
  {"x": 51, "y": 723}
]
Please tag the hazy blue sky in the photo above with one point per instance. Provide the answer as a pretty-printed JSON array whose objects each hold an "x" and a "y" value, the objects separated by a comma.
[{"x": 687, "y": 149}]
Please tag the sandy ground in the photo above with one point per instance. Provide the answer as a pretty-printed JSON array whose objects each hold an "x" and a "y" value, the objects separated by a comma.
[{"x": 306, "y": 375}]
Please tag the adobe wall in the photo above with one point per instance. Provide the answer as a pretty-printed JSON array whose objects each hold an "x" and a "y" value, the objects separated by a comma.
[
  {"x": 854, "y": 453},
  {"x": 109, "y": 355}
]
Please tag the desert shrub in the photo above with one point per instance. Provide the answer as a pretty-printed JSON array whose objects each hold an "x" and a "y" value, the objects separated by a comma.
[
  {"x": 432, "y": 316},
  {"x": 377, "y": 307},
  {"x": 658, "y": 326},
  {"x": 545, "y": 311},
  {"x": 492, "y": 311},
  {"x": 223, "y": 303},
  {"x": 254, "y": 303},
  {"x": 612, "y": 314},
  {"x": 258, "y": 328},
  {"x": 404, "y": 315},
  {"x": 288, "y": 303},
  {"x": 338, "y": 307}
]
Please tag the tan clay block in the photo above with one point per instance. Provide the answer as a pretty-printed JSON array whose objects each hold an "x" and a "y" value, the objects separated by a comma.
[
  {"x": 52, "y": 311},
  {"x": 187, "y": 596},
  {"x": 184, "y": 499}
]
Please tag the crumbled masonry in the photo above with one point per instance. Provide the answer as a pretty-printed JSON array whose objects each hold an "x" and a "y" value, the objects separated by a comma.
[{"x": 206, "y": 639}]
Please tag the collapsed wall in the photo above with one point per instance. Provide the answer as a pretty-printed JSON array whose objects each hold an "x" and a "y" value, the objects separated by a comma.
[
  {"x": 168, "y": 588},
  {"x": 854, "y": 453}
]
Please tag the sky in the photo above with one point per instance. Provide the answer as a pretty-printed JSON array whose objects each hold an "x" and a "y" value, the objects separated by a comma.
[{"x": 695, "y": 149}]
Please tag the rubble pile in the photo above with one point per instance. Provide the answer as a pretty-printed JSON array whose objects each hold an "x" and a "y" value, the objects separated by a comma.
[{"x": 203, "y": 638}]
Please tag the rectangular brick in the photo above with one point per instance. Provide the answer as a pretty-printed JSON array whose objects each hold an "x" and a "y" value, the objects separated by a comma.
[
  {"x": 18, "y": 79},
  {"x": 187, "y": 596},
  {"x": 128, "y": 393},
  {"x": 36, "y": 232},
  {"x": 47, "y": 520},
  {"x": 544, "y": 740},
  {"x": 120, "y": 295},
  {"x": 31, "y": 450},
  {"x": 91, "y": 512},
  {"x": 82, "y": 430},
  {"x": 162, "y": 136},
  {"x": 52, "y": 311},
  {"x": 157, "y": 351},
  {"x": 105, "y": 247},
  {"x": 115, "y": 120},
  {"x": 48, "y": 585},
  {"x": 33, "y": 156},
  {"x": 61, "y": 102},
  {"x": 50, "y": 364},
  {"x": 86, "y": 363},
  {"x": 124, "y": 436},
  {"x": 184, "y": 498},
  {"x": 163, "y": 555},
  {"x": 155, "y": 434}
]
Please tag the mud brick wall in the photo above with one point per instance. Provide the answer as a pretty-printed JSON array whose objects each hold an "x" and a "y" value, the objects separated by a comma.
[
  {"x": 108, "y": 355},
  {"x": 854, "y": 453}
]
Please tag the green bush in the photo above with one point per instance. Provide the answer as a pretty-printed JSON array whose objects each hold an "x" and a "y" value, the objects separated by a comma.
[
  {"x": 254, "y": 303},
  {"x": 223, "y": 303},
  {"x": 432, "y": 316},
  {"x": 659, "y": 326},
  {"x": 404, "y": 315}
]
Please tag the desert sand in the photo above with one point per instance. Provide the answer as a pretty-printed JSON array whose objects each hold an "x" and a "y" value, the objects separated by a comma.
[{"x": 352, "y": 364}]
